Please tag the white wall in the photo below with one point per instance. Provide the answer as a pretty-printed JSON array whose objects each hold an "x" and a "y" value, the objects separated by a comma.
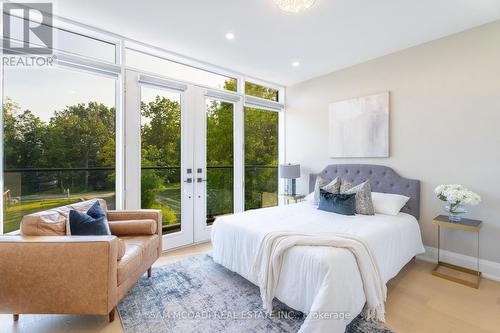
[{"x": 444, "y": 124}]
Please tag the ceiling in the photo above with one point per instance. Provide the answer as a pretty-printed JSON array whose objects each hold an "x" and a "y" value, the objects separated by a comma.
[{"x": 331, "y": 35}]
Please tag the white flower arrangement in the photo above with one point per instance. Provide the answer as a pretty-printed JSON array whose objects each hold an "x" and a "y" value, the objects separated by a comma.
[{"x": 456, "y": 195}]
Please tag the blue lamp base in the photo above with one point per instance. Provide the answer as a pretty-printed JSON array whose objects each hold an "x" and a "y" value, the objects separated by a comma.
[{"x": 290, "y": 187}]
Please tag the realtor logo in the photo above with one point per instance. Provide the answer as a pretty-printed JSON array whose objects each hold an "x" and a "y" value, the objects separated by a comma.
[{"x": 27, "y": 28}]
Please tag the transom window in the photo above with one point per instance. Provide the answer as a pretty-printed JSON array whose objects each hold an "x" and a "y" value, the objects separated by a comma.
[
  {"x": 260, "y": 91},
  {"x": 174, "y": 70}
]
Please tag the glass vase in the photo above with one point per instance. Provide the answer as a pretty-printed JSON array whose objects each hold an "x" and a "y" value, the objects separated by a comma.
[{"x": 455, "y": 211}]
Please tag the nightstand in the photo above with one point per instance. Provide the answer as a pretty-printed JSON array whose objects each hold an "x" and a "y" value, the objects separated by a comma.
[
  {"x": 443, "y": 221},
  {"x": 296, "y": 198}
]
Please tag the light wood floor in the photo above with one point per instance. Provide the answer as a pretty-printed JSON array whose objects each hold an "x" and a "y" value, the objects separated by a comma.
[{"x": 417, "y": 303}]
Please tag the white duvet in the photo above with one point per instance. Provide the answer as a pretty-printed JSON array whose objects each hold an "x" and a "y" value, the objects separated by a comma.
[{"x": 322, "y": 281}]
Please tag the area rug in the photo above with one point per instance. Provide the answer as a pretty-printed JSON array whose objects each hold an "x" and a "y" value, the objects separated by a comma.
[{"x": 198, "y": 295}]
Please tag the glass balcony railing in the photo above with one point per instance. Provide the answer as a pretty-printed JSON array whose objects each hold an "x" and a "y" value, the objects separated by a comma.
[
  {"x": 161, "y": 189},
  {"x": 31, "y": 190},
  {"x": 261, "y": 186},
  {"x": 261, "y": 190},
  {"x": 28, "y": 191}
]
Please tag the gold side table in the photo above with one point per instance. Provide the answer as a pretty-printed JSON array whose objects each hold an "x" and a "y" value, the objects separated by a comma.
[
  {"x": 443, "y": 221},
  {"x": 296, "y": 198}
]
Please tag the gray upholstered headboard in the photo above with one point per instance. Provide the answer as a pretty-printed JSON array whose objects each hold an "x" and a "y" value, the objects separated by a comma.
[{"x": 382, "y": 179}]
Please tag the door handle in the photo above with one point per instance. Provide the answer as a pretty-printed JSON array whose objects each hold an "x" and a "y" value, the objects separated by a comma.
[
  {"x": 189, "y": 180},
  {"x": 199, "y": 180}
]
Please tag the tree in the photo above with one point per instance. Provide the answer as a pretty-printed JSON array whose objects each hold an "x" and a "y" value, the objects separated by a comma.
[
  {"x": 161, "y": 132},
  {"x": 24, "y": 135},
  {"x": 80, "y": 136}
]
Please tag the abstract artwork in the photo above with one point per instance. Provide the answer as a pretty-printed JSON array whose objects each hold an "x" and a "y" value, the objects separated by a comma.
[{"x": 359, "y": 127}]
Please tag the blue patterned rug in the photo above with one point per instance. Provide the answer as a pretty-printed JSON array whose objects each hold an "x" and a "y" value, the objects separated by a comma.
[{"x": 198, "y": 295}]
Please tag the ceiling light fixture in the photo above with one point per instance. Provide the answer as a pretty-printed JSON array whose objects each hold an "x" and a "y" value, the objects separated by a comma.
[
  {"x": 294, "y": 6},
  {"x": 230, "y": 36},
  {"x": 295, "y": 64}
]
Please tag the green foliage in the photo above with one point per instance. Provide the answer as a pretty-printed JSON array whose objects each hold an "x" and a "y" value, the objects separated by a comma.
[
  {"x": 79, "y": 134},
  {"x": 257, "y": 90},
  {"x": 151, "y": 185},
  {"x": 261, "y": 157},
  {"x": 261, "y": 137},
  {"x": 168, "y": 214},
  {"x": 220, "y": 151},
  {"x": 161, "y": 132},
  {"x": 24, "y": 137},
  {"x": 14, "y": 213}
]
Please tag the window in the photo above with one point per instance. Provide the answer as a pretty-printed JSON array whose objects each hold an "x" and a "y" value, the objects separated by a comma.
[
  {"x": 261, "y": 158},
  {"x": 59, "y": 131},
  {"x": 64, "y": 40},
  {"x": 174, "y": 70},
  {"x": 59, "y": 140},
  {"x": 84, "y": 46},
  {"x": 257, "y": 90},
  {"x": 161, "y": 154},
  {"x": 219, "y": 122}
]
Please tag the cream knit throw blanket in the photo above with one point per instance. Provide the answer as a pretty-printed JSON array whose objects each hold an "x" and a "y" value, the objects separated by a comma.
[{"x": 270, "y": 258}]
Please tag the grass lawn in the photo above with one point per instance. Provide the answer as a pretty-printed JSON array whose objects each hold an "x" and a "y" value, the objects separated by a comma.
[
  {"x": 169, "y": 201},
  {"x": 14, "y": 213}
]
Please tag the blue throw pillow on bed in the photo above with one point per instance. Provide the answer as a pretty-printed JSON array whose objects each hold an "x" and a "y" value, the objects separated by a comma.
[
  {"x": 93, "y": 222},
  {"x": 344, "y": 204}
]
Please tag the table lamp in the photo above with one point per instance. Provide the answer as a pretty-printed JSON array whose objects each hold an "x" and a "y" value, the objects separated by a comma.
[{"x": 290, "y": 172}]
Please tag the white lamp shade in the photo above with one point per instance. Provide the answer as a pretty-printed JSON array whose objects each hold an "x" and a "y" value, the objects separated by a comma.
[{"x": 290, "y": 171}]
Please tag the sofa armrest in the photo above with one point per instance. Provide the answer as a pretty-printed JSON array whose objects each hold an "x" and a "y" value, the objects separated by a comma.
[
  {"x": 133, "y": 227},
  {"x": 142, "y": 214},
  {"x": 58, "y": 274}
]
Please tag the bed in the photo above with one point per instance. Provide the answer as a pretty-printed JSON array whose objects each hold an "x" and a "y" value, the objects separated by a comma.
[{"x": 316, "y": 279}]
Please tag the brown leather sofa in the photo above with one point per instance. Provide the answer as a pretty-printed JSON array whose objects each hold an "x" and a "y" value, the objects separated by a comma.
[{"x": 44, "y": 271}]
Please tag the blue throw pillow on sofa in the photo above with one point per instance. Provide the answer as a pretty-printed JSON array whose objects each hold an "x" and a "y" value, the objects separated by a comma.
[
  {"x": 93, "y": 222},
  {"x": 344, "y": 204}
]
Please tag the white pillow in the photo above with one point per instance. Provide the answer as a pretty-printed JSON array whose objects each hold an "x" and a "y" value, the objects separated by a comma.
[
  {"x": 388, "y": 203},
  {"x": 309, "y": 197}
]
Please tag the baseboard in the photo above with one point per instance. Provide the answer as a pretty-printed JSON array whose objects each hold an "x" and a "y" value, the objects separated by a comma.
[{"x": 490, "y": 270}]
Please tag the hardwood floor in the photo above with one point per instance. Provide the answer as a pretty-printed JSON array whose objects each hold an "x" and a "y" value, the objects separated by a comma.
[{"x": 417, "y": 303}]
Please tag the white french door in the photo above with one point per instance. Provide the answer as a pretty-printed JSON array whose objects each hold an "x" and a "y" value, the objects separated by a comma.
[{"x": 182, "y": 155}]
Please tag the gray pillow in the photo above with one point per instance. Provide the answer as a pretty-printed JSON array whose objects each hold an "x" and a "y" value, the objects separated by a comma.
[
  {"x": 345, "y": 185},
  {"x": 333, "y": 186},
  {"x": 363, "y": 191},
  {"x": 330, "y": 186},
  {"x": 320, "y": 182}
]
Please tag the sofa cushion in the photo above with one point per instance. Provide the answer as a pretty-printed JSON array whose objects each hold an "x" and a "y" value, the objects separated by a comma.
[
  {"x": 90, "y": 223},
  {"x": 121, "y": 248},
  {"x": 53, "y": 222},
  {"x": 133, "y": 227},
  {"x": 130, "y": 262},
  {"x": 137, "y": 249}
]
